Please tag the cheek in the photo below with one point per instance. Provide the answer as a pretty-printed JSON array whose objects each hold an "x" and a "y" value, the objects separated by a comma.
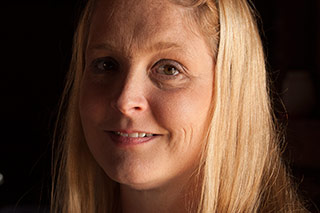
[
  {"x": 92, "y": 104},
  {"x": 90, "y": 109},
  {"x": 184, "y": 113}
]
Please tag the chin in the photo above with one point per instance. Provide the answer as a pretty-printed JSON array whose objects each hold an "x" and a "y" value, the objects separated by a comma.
[
  {"x": 137, "y": 183},
  {"x": 137, "y": 180}
]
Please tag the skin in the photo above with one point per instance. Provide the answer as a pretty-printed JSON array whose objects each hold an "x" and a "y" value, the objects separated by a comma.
[{"x": 159, "y": 79}]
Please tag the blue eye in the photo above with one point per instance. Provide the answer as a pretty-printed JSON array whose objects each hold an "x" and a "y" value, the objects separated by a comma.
[
  {"x": 105, "y": 64},
  {"x": 167, "y": 67}
]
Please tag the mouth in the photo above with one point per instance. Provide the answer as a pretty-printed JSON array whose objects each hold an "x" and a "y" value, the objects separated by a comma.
[
  {"x": 134, "y": 135},
  {"x": 124, "y": 139}
]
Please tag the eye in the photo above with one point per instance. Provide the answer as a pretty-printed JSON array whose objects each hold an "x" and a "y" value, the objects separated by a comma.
[
  {"x": 105, "y": 64},
  {"x": 168, "y": 70},
  {"x": 167, "y": 67}
]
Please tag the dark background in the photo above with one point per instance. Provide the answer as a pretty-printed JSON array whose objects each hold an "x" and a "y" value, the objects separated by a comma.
[{"x": 36, "y": 39}]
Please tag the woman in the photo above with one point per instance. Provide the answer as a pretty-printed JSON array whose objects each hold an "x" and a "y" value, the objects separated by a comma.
[{"x": 167, "y": 110}]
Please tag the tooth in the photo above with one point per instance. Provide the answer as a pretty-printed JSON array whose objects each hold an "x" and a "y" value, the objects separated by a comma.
[
  {"x": 141, "y": 135},
  {"x": 124, "y": 134},
  {"x": 134, "y": 135}
]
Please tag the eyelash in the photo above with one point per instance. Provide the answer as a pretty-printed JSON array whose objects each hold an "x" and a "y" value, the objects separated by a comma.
[{"x": 109, "y": 64}]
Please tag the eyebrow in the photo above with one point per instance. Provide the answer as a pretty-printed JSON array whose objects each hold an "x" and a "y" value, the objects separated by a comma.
[
  {"x": 164, "y": 46},
  {"x": 159, "y": 46}
]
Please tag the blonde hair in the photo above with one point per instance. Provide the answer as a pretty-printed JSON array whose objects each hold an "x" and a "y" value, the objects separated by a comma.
[{"x": 241, "y": 169}]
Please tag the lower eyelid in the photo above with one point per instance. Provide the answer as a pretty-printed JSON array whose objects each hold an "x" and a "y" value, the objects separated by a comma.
[{"x": 167, "y": 78}]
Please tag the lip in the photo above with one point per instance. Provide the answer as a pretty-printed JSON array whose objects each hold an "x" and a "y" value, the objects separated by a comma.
[{"x": 123, "y": 141}]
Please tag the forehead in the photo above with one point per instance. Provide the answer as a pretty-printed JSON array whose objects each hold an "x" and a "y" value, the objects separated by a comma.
[{"x": 133, "y": 24}]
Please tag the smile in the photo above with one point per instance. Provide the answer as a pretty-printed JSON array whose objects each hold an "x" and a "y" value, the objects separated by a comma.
[
  {"x": 134, "y": 135},
  {"x": 125, "y": 139}
]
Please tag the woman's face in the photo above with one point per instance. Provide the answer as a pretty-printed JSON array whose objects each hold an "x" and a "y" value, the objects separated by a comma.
[{"x": 146, "y": 92}]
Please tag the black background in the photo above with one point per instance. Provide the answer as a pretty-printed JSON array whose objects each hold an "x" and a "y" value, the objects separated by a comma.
[{"x": 36, "y": 40}]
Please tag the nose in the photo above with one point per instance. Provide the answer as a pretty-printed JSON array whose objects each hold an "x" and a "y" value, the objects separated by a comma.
[{"x": 131, "y": 96}]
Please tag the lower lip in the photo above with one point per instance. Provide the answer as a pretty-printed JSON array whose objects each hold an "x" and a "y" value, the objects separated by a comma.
[{"x": 129, "y": 141}]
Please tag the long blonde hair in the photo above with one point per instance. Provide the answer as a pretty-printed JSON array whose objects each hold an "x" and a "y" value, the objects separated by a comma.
[{"x": 241, "y": 169}]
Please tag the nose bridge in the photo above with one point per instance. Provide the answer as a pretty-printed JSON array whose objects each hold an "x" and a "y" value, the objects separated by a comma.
[{"x": 131, "y": 97}]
